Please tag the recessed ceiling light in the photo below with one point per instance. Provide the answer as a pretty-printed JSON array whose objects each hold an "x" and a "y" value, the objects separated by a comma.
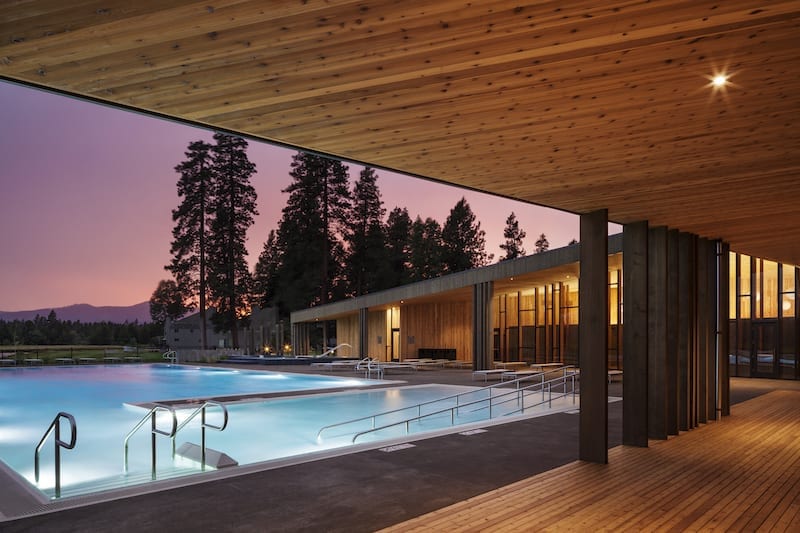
[{"x": 720, "y": 80}]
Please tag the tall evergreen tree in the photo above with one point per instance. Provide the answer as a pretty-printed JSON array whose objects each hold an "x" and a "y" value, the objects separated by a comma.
[
  {"x": 308, "y": 233},
  {"x": 398, "y": 231},
  {"x": 425, "y": 250},
  {"x": 464, "y": 242},
  {"x": 233, "y": 211},
  {"x": 167, "y": 301},
  {"x": 541, "y": 244},
  {"x": 366, "y": 268},
  {"x": 513, "y": 236},
  {"x": 190, "y": 234},
  {"x": 266, "y": 271}
]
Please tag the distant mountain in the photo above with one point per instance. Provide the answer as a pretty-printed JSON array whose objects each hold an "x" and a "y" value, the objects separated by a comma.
[{"x": 87, "y": 313}]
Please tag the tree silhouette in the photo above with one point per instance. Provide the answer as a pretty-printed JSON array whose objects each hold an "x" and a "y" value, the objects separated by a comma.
[
  {"x": 308, "y": 234},
  {"x": 167, "y": 301},
  {"x": 463, "y": 240},
  {"x": 398, "y": 233},
  {"x": 266, "y": 271},
  {"x": 190, "y": 232},
  {"x": 233, "y": 209},
  {"x": 366, "y": 268},
  {"x": 425, "y": 250},
  {"x": 541, "y": 244},
  {"x": 513, "y": 236}
]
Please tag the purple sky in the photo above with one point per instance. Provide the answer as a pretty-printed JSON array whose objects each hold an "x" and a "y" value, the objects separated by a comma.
[{"x": 87, "y": 191}]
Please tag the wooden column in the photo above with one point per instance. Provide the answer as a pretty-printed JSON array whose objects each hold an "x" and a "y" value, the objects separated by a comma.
[
  {"x": 711, "y": 329},
  {"x": 363, "y": 332},
  {"x": 482, "y": 294},
  {"x": 657, "y": 333},
  {"x": 685, "y": 329},
  {"x": 593, "y": 337},
  {"x": 634, "y": 334},
  {"x": 702, "y": 330},
  {"x": 672, "y": 332},
  {"x": 723, "y": 339}
]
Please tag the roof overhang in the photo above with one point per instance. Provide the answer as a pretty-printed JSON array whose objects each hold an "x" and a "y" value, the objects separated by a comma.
[
  {"x": 578, "y": 106},
  {"x": 550, "y": 267}
]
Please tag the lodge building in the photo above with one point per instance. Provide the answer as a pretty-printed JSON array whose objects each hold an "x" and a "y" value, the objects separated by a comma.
[{"x": 534, "y": 315}]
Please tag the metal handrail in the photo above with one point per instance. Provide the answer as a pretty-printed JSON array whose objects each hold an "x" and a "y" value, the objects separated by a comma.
[
  {"x": 151, "y": 414},
  {"x": 419, "y": 406},
  {"x": 452, "y": 410},
  {"x": 332, "y": 350},
  {"x": 203, "y": 426},
  {"x": 56, "y": 425},
  {"x": 171, "y": 356}
]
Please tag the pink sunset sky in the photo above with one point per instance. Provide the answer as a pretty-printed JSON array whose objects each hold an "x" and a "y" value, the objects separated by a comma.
[{"x": 87, "y": 191}]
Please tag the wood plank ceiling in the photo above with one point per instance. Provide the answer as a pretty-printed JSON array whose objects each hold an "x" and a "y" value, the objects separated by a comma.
[{"x": 578, "y": 105}]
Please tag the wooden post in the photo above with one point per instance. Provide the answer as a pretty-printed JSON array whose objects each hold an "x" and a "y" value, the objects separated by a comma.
[
  {"x": 593, "y": 337},
  {"x": 363, "y": 332},
  {"x": 634, "y": 334},
  {"x": 482, "y": 294},
  {"x": 723, "y": 339},
  {"x": 657, "y": 334}
]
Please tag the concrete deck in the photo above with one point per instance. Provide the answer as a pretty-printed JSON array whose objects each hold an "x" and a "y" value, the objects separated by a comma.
[{"x": 365, "y": 491}]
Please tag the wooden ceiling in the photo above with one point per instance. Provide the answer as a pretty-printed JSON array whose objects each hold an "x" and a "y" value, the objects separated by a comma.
[{"x": 579, "y": 105}]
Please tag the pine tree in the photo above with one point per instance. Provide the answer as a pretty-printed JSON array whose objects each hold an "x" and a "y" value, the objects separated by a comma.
[
  {"x": 463, "y": 240},
  {"x": 308, "y": 233},
  {"x": 233, "y": 210},
  {"x": 513, "y": 236},
  {"x": 541, "y": 244},
  {"x": 425, "y": 250},
  {"x": 190, "y": 234},
  {"x": 398, "y": 231},
  {"x": 266, "y": 271},
  {"x": 167, "y": 301},
  {"x": 366, "y": 267}
]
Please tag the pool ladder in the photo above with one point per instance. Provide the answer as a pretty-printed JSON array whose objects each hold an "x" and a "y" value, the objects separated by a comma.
[
  {"x": 55, "y": 425},
  {"x": 174, "y": 428}
]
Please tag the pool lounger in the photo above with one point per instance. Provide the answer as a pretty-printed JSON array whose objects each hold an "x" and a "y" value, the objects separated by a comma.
[
  {"x": 517, "y": 374},
  {"x": 336, "y": 365},
  {"x": 487, "y": 373}
]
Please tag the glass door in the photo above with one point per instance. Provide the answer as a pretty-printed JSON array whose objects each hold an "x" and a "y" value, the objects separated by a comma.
[{"x": 763, "y": 357}]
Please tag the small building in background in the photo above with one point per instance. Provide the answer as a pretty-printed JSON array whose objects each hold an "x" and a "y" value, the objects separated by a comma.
[{"x": 261, "y": 335}]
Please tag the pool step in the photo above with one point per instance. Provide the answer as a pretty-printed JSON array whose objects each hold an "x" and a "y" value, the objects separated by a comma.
[
  {"x": 120, "y": 481},
  {"x": 214, "y": 458}
]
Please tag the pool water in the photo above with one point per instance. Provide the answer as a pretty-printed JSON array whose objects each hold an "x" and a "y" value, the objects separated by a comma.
[{"x": 101, "y": 399}]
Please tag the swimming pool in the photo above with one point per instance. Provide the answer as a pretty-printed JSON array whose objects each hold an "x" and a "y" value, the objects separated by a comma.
[{"x": 102, "y": 400}]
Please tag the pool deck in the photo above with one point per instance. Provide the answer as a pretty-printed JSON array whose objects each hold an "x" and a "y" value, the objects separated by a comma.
[{"x": 375, "y": 489}]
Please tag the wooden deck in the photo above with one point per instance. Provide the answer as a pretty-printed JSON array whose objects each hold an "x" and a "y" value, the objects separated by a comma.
[{"x": 738, "y": 474}]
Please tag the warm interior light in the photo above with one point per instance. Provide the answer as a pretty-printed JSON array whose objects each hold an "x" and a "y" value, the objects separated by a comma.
[{"x": 720, "y": 80}]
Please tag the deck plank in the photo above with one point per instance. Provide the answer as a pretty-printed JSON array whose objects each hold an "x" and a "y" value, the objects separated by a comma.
[{"x": 739, "y": 473}]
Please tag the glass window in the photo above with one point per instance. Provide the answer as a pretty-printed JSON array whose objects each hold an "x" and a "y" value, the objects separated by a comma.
[
  {"x": 744, "y": 307},
  {"x": 769, "y": 289},
  {"x": 540, "y": 306},
  {"x": 612, "y": 305},
  {"x": 732, "y": 285},
  {"x": 744, "y": 274},
  {"x": 788, "y": 305},
  {"x": 788, "y": 278}
]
